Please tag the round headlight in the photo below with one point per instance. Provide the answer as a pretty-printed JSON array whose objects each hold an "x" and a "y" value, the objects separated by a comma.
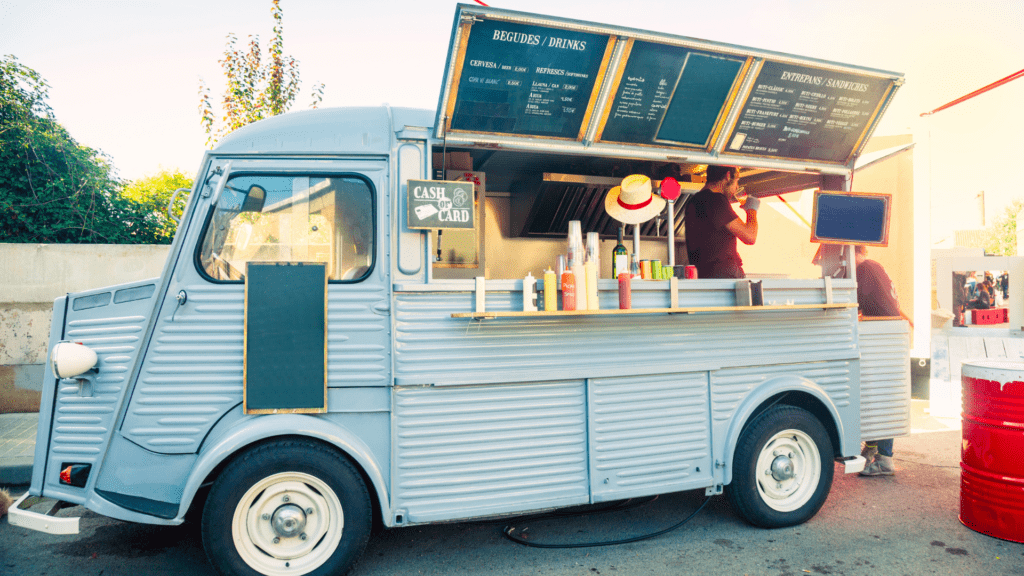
[{"x": 69, "y": 359}]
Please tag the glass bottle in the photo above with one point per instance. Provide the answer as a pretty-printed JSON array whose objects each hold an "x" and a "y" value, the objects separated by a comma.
[{"x": 620, "y": 257}]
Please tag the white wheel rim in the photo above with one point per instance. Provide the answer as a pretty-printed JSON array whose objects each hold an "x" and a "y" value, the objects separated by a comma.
[
  {"x": 254, "y": 534},
  {"x": 788, "y": 470}
]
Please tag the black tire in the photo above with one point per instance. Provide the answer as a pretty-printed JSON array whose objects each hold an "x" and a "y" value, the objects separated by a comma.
[
  {"x": 763, "y": 489},
  {"x": 303, "y": 488}
]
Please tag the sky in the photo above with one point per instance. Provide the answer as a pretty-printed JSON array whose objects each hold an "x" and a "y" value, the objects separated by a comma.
[{"x": 125, "y": 74}]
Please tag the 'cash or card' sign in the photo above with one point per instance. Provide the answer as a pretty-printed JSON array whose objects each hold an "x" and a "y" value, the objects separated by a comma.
[{"x": 440, "y": 204}]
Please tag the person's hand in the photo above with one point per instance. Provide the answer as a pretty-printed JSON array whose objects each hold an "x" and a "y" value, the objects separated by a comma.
[{"x": 751, "y": 203}]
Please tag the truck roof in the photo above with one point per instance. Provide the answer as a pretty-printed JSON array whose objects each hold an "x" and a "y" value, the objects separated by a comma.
[{"x": 367, "y": 130}]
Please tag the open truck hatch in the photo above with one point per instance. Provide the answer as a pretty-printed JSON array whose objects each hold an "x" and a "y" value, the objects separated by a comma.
[{"x": 584, "y": 100}]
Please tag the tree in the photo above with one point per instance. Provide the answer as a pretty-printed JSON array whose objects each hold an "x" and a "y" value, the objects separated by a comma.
[
  {"x": 153, "y": 193},
  {"x": 1001, "y": 235},
  {"x": 255, "y": 90},
  {"x": 53, "y": 189}
]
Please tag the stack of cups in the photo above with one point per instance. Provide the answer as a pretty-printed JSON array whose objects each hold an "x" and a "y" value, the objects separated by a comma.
[
  {"x": 592, "y": 268},
  {"x": 577, "y": 258}
]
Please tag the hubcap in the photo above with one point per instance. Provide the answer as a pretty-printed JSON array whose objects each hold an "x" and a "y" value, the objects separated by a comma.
[
  {"x": 288, "y": 521},
  {"x": 782, "y": 468},
  {"x": 287, "y": 524},
  {"x": 788, "y": 470}
]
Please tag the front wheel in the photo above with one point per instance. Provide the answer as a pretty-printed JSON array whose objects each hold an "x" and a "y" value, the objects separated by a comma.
[
  {"x": 287, "y": 508},
  {"x": 782, "y": 469}
]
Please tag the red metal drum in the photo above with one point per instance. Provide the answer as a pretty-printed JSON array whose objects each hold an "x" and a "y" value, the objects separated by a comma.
[{"x": 992, "y": 452}]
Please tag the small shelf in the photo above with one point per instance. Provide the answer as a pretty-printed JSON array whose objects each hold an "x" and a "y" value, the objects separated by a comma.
[{"x": 613, "y": 312}]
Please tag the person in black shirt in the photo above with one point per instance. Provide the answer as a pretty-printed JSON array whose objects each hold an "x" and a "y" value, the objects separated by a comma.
[
  {"x": 876, "y": 297},
  {"x": 712, "y": 226}
]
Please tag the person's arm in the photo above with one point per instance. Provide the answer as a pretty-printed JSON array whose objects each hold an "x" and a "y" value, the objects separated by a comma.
[{"x": 746, "y": 231}]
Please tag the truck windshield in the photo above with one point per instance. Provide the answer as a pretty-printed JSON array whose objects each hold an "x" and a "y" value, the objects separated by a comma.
[{"x": 273, "y": 218}]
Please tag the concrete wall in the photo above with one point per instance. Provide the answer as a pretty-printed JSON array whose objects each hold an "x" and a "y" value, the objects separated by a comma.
[{"x": 31, "y": 277}]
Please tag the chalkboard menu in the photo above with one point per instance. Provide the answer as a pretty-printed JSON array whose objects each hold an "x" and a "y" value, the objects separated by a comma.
[
  {"x": 526, "y": 79},
  {"x": 806, "y": 113},
  {"x": 851, "y": 217},
  {"x": 670, "y": 94}
]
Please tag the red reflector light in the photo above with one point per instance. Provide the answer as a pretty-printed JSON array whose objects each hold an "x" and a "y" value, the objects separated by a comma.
[{"x": 65, "y": 475}]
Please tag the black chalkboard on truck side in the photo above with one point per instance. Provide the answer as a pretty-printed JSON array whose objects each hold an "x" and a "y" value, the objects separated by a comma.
[
  {"x": 851, "y": 218},
  {"x": 285, "y": 338}
]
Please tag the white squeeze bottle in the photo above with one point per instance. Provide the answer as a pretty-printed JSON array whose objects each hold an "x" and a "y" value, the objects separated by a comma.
[{"x": 529, "y": 293}]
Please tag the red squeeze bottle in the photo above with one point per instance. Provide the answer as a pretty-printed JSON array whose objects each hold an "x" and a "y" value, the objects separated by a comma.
[
  {"x": 625, "y": 292},
  {"x": 568, "y": 290}
]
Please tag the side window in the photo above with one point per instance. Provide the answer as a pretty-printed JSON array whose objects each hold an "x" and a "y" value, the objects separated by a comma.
[{"x": 261, "y": 218}]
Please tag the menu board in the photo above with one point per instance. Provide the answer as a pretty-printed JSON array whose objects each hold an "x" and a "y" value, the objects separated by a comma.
[
  {"x": 670, "y": 94},
  {"x": 857, "y": 217},
  {"x": 806, "y": 113},
  {"x": 526, "y": 79}
]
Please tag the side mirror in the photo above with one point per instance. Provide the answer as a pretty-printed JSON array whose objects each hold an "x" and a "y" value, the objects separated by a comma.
[{"x": 254, "y": 199}]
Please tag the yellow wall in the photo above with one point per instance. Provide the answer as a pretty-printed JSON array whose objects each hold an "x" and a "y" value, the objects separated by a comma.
[{"x": 783, "y": 243}]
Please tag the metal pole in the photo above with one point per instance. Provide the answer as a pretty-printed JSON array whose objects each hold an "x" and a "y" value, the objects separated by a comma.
[{"x": 671, "y": 234}]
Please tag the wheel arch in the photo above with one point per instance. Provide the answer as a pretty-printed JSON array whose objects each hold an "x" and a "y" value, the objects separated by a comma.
[
  {"x": 788, "y": 390},
  {"x": 251, "y": 432}
]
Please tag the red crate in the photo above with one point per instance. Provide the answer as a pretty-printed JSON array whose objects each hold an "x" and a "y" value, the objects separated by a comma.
[{"x": 990, "y": 316}]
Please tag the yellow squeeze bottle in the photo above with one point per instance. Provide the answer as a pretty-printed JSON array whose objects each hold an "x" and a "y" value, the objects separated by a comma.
[{"x": 550, "y": 291}]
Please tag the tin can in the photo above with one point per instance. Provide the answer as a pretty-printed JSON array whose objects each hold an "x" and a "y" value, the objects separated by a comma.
[
  {"x": 691, "y": 272},
  {"x": 645, "y": 269},
  {"x": 655, "y": 269}
]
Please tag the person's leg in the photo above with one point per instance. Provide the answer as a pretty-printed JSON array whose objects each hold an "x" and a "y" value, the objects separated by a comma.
[
  {"x": 881, "y": 464},
  {"x": 885, "y": 447}
]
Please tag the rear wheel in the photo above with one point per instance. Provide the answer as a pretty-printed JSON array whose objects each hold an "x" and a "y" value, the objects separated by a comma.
[
  {"x": 287, "y": 508},
  {"x": 782, "y": 469}
]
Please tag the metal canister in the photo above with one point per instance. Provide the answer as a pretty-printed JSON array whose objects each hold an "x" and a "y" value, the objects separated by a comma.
[
  {"x": 691, "y": 272},
  {"x": 645, "y": 269},
  {"x": 655, "y": 269},
  {"x": 992, "y": 471}
]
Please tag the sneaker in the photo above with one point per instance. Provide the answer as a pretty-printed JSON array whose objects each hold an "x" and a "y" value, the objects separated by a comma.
[
  {"x": 879, "y": 466},
  {"x": 869, "y": 451}
]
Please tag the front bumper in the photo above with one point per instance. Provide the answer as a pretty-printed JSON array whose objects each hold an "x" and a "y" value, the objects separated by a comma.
[{"x": 20, "y": 515}]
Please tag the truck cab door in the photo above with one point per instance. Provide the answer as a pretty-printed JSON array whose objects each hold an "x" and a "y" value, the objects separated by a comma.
[{"x": 267, "y": 211}]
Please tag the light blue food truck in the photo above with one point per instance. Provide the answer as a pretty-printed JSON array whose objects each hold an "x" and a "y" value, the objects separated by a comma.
[{"x": 316, "y": 357}]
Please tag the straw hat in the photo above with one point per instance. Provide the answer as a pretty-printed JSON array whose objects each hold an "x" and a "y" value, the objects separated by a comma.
[{"x": 633, "y": 202}]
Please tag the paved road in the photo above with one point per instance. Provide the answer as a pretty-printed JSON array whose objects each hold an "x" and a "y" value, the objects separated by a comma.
[{"x": 905, "y": 524}]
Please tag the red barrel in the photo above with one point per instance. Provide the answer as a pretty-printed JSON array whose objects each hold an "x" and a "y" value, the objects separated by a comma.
[{"x": 992, "y": 451}]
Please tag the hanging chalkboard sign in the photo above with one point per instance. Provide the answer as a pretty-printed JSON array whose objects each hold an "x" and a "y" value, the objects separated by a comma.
[
  {"x": 851, "y": 217},
  {"x": 806, "y": 113},
  {"x": 284, "y": 368},
  {"x": 526, "y": 79},
  {"x": 670, "y": 95}
]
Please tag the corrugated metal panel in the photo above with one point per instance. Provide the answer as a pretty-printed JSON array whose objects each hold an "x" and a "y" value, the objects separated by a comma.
[
  {"x": 480, "y": 450},
  {"x": 358, "y": 337},
  {"x": 84, "y": 416},
  {"x": 649, "y": 435},
  {"x": 193, "y": 369},
  {"x": 538, "y": 348},
  {"x": 730, "y": 386},
  {"x": 884, "y": 381},
  {"x": 192, "y": 372}
]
